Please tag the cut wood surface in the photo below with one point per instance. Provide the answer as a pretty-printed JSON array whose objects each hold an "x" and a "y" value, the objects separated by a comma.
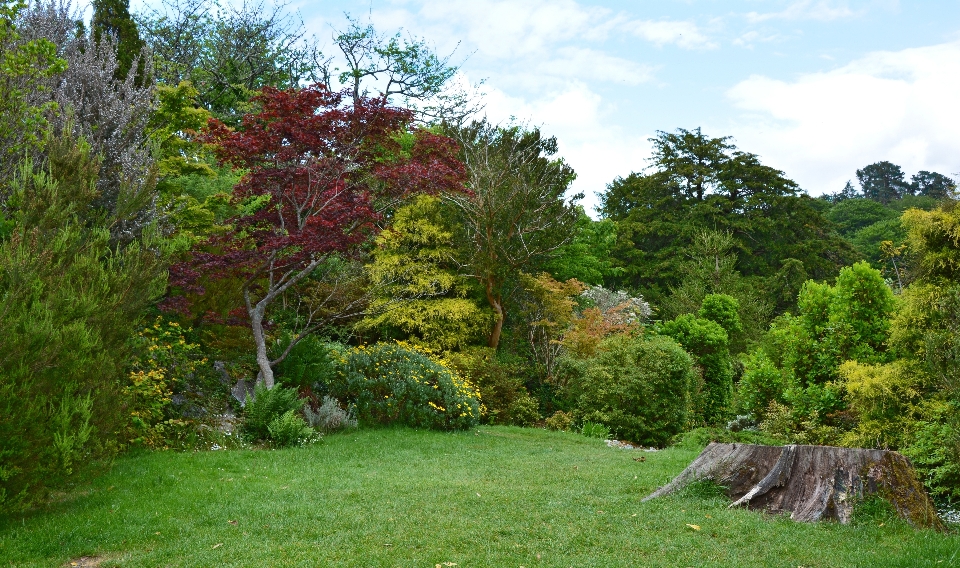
[{"x": 809, "y": 482}]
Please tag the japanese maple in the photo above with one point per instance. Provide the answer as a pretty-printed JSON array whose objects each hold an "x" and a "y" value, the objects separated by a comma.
[{"x": 324, "y": 168}]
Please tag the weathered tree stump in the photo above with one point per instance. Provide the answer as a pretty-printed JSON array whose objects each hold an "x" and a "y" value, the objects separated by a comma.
[{"x": 812, "y": 483}]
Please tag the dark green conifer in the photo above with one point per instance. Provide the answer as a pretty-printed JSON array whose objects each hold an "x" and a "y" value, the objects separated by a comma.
[{"x": 111, "y": 18}]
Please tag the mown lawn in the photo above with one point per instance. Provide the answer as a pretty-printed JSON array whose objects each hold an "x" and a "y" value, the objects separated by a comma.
[{"x": 489, "y": 497}]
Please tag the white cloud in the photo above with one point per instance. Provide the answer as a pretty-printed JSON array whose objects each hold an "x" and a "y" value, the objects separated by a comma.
[
  {"x": 589, "y": 140},
  {"x": 897, "y": 106},
  {"x": 684, "y": 34},
  {"x": 822, "y": 10},
  {"x": 586, "y": 64}
]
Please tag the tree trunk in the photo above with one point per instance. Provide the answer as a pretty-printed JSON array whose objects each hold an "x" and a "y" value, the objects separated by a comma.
[
  {"x": 810, "y": 482},
  {"x": 265, "y": 376},
  {"x": 497, "y": 304}
]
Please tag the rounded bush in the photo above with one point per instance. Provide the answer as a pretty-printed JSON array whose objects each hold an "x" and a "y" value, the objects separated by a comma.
[
  {"x": 637, "y": 387},
  {"x": 389, "y": 383}
]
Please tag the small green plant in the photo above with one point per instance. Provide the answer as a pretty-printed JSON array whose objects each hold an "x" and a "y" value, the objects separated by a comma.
[
  {"x": 266, "y": 406},
  {"x": 562, "y": 421},
  {"x": 872, "y": 510},
  {"x": 706, "y": 490},
  {"x": 311, "y": 362},
  {"x": 289, "y": 429},
  {"x": 595, "y": 430}
]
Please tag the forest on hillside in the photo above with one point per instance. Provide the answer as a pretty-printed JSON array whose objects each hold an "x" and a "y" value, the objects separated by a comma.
[{"x": 212, "y": 234}]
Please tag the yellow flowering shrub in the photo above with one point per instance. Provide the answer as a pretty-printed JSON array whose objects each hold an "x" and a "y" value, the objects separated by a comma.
[
  {"x": 164, "y": 360},
  {"x": 397, "y": 383}
]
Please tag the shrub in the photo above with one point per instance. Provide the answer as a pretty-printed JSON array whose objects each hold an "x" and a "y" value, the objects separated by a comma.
[
  {"x": 391, "y": 383},
  {"x": 524, "y": 410},
  {"x": 310, "y": 362},
  {"x": 637, "y": 387},
  {"x": 709, "y": 344},
  {"x": 698, "y": 438},
  {"x": 561, "y": 421},
  {"x": 164, "y": 365},
  {"x": 266, "y": 406},
  {"x": 595, "y": 430},
  {"x": 289, "y": 429},
  {"x": 505, "y": 399},
  {"x": 329, "y": 417},
  {"x": 935, "y": 452},
  {"x": 762, "y": 383}
]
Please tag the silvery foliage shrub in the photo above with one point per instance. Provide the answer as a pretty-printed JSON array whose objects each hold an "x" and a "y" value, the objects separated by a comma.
[
  {"x": 623, "y": 307},
  {"x": 109, "y": 113},
  {"x": 329, "y": 417}
]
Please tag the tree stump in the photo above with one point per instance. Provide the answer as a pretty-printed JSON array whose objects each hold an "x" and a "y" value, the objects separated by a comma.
[{"x": 810, "y": 482}]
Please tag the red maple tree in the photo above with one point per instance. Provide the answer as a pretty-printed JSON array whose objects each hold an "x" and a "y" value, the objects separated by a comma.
[{"x": 325, "y": 167}]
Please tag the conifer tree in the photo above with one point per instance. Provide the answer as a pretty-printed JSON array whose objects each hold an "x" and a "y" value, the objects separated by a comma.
[{"x": 112, "y": 18}]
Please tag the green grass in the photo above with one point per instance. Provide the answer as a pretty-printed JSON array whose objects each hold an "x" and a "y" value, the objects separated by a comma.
[{"x": 491, "y": 497}]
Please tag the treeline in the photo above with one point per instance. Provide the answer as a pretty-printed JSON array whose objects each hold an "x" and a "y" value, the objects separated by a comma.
[{"x": 211, "y": 233}]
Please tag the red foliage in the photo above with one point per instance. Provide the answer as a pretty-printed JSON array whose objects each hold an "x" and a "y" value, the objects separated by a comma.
[{"x": 325, "y": 169}]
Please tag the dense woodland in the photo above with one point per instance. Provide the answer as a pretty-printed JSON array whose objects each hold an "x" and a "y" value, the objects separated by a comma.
[{"x": 214, "y": 235}]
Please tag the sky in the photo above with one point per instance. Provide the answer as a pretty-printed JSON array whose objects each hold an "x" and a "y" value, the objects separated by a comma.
[{"x": 816, "y": 88}]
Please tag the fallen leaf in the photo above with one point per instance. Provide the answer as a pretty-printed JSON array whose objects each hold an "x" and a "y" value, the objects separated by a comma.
[
  {"x": 218, "y": 545},
  {"x": 694, "y": 527},
  {"x": 158, "y": 532},
  {"x": 708, "y": 516}
]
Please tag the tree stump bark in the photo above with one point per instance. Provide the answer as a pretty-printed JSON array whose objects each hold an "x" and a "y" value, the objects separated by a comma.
[{"x": 811, "y": 483}]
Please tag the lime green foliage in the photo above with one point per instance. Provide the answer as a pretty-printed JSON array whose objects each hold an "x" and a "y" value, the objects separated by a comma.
[
  {"x": 196, "y": 193},
  {"x": 762, "y": 383},
  {"x": 173, "y": 126},
  {"x": 499, "y": 378},
  {"x": 850, "y": 320},
  {"x": 510, "y": 497},
  {"x": 71, "y": 301},
  {"x": 23, "y": 68},
  {"x": 419, "y": 292},
  {"x": 290, "y": 429},
  {"x": 933, "y": 237},
  {"x": 587, "y": 256},
  {"x": 164, "y": 363},
  {"x": 887, "y": 399},
  {"x": 394, "y": 383},
  {"x": 595, "y": 430},
  {"x": 722, "y": 309},
  {"x": 708, "y": 343},
  {"x": 267, "y": 406},
  {"x": 637, "y": 387}
]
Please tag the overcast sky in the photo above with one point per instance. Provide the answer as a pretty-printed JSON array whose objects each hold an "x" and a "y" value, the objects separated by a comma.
[{"x": 817, "y": 88}]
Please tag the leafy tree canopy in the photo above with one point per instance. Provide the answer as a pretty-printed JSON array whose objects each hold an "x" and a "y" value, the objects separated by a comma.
[{"x": 696, "y": 182}]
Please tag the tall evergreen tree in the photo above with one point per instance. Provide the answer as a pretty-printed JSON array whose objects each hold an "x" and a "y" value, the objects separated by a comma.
[
  {"x": 111, "y": 18},
  {"x": 883, "y": 182}
]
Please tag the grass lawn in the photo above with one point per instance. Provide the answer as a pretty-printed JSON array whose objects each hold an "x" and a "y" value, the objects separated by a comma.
[{"x": 504, "y": 497}]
